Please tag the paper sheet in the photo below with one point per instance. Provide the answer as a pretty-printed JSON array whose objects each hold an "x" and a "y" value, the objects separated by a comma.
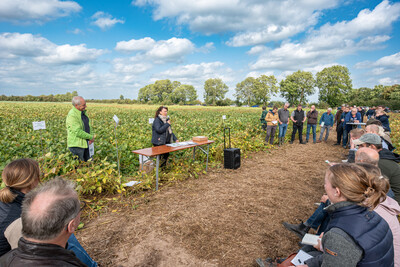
[
  {"x": 132, "y": 183},
  {"x": 91, "y": 150},
  {"x": 301, "y": 257}
]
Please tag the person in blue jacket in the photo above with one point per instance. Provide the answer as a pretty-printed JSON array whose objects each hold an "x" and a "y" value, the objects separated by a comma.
[
  {"x": 352, "y": 117},
  {"x": 384, "y": 119},
  {"x": 326, "y": 123},
  {"x": 162, "y": 132}
]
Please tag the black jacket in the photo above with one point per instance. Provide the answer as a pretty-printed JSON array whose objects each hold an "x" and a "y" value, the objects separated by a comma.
[
  {"x": 387, "y": 154},
  {"x": 39, "y": 255},
  {"x": 9, "y": 212},
  {"x": 160, "y": 130}
]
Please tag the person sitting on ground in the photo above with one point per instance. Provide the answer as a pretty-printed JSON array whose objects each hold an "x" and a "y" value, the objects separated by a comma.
[
  {"x": 388, "y": 161},
  {"x": 355, "y": 235},
  {"x": 326, "y": 123},
  {"x": 375, "y": 129},
  {"x": 20, "y": 177},
  {"x": 384, "y": 118},
  {"x": 354, "y": 134},
  {"x": 319, "y": 219},
  {"x": 272, "y": 123},
  {"x": 50, "y": 215},
  {"x": 262, "y": 119}
]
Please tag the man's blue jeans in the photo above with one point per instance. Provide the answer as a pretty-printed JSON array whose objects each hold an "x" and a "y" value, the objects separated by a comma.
[
  {"x": 319, "y": 218},
  {"x": 282, "y": 130},
  {"x": 314, "y": 132},
  {"x": 323, "y": 128},
  {"x": 80, "y": 253},
  {"x": 345, "y": 137}
]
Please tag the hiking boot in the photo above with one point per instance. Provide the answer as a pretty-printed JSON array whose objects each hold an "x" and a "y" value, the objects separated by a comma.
[
  {"x": 336, "y": 144},
  {"x": 299, "y": 229},
  {"x": 303, "y": 143}
]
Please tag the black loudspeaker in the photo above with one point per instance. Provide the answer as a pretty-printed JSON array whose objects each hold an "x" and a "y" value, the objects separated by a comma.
[
  {"x": 231, "y": 155},
  {"x": 231, "y": 158}
]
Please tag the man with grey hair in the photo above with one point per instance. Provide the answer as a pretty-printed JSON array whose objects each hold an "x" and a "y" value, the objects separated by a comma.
[
  {"x": 326, "y": 122},
  {"x": 50, "y": 214},
  {"x": 283, "y": 118},
  {"x": 78, "y": 128}
]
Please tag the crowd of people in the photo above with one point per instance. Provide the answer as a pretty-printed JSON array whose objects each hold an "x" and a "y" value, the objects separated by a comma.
[{"x": 357, "y": 219}]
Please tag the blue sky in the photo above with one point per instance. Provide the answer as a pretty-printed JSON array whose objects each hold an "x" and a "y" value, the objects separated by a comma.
[{"x": 103, "y": 49}]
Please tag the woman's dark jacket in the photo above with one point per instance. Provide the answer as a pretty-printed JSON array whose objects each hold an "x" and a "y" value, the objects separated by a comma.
[
  {"x": 9, "y": 212},
  {"x": 159, "y": 129},
  {"x": 385, "y": 121}
]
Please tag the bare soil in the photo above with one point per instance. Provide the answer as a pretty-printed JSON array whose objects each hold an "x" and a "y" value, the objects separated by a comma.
[{"x": 223, "y": 218}]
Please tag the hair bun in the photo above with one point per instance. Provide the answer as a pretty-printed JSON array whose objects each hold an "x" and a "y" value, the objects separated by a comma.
[{"x": 369, "y": 192}]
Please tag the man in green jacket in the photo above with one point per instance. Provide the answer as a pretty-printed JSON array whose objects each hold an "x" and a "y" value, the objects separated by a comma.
[{"x": 78, "y": 128}]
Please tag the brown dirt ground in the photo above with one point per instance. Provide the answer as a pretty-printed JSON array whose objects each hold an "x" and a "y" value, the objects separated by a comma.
[{"x": 224, "y": 218}]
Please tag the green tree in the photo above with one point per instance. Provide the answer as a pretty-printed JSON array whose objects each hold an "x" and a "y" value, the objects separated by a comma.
[
  {"x": 184, "y": 94},
  {"x": 296, "y": 87},
  {"x": 121, "y": 97},
  {"x": 256, "y": 91},
  {"x": 161, "y": 90},
  {"x": 334, "y": 84},
  {"x": 214, "y": 90},
  {"x": 395, "y": 95},
  {"x": 145, "y": 93}
]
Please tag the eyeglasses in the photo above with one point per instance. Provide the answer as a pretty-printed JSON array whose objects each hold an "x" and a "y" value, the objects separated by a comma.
[{"x": 82, "y": 207}]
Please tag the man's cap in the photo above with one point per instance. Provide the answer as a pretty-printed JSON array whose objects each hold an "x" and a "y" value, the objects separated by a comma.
[{"x": 368, "y": 138}]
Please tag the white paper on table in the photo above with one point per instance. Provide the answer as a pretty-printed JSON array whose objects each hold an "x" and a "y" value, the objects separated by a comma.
[
  {"x": 132, "y": 183},
  {"x": 39, "y": 125},
  {"x": 151, "y": 120},
  {"x": 116, "y": 119},
  {"x": 301, "y": 257},
  {"x": 274, "y": 122},
  {"x": 322, "y": 124},
  {"x": 91, "y": 150},
  {"x": 224, "y": 117}
]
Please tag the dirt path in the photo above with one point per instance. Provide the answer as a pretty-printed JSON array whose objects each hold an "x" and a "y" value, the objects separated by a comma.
[{"x": 224, "y": 218}]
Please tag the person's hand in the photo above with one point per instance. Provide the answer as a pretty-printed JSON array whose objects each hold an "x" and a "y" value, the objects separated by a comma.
[
  {"x": 324, "y": 198},
  {"x": 319, "y": 245},
  {"x": 177, "y": 141},
  {"x": 356, "y": 121},
  {"x": 169, "y": 121},
  {"x": 91, "y": 141}
]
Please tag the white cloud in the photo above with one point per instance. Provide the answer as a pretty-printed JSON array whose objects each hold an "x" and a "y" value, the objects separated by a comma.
[
  {"x": 331, "y": 42},
  {"x": 383, "y": 65},
  {"x": 76, "y": 31},
  {"x": 389, "y": 81},
  {"x": 258, "y": 49},
  {"x": 36, "y": 11},
  {"x": 256, "y": 21},
  {"x": 104, "y": 20},
  {"x": 135, "y": 45},
  {"x": 171, "y": 50},
  {"x": 15, "y": 45},
  {"x": 130, "y": 66}
]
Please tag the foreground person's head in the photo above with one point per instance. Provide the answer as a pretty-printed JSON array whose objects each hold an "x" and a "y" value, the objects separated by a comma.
[
  {"x": 51, "y": 212},
  {"x": 352, "y": 182}
]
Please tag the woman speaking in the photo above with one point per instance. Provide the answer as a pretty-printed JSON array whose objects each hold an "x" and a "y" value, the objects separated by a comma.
[{"x": 162, "y": 131}]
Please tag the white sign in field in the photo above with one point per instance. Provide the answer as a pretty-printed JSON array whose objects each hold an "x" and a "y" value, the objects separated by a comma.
[
  {"x": 116, "y": 119},
  {"x": 39, "y": 125},
  {"x": 151, "y": 120}
]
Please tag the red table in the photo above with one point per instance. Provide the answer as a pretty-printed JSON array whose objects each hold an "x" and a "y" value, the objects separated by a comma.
[{"x": 159, "y": 150}]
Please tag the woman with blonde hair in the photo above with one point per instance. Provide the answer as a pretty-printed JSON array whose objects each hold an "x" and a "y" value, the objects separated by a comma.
[
  {"x": 355, "y": 235},
  {"x": 19, "y": 177}
]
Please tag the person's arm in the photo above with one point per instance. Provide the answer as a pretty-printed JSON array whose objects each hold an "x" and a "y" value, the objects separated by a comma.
[
  {"x": 74, "y": 126},
  {"x": 292, "y": 117},
  {"x": 279, "y": 117},
  {"x": 304, "y": 117},
  {"x": 321, "y": 119},
  {"x": 339, "y": 249},
  {"x": 159, "y": 127},
  {"x": 269, "y": 117}
]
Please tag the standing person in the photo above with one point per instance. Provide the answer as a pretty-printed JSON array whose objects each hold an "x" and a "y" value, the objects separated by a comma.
[
  {"x": 384, "y": 119},
  {"x": 362, "y": 112},
  {"x": 80, "y": 135},
  {"x": 162, "y": 132},
  {"x": 351, "y": 117},
  {"x": 339, "y": 128},
  {"x": 326, "y": 122},
  {"x": 312, "y": 119},
  {"x": 272, "y": 122},
  {"x": 298, "y": 117},
  {"x": 50, "y": 215},
  {"x": 283, "y": 119},
  {"x": 262, "y": 119},
  {"x": 370, "y": 113}
]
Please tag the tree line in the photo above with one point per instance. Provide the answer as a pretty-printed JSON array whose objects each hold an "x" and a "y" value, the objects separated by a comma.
[{"x": 334, "y": 88}]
